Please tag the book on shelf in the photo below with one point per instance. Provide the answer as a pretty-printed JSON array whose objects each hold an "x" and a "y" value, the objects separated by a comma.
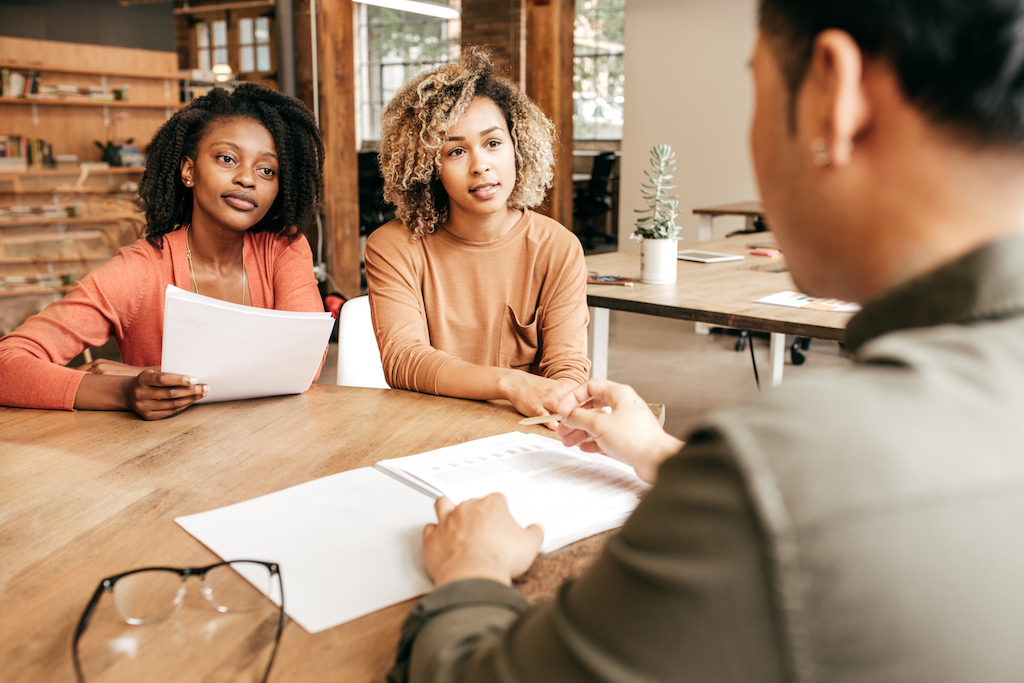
[
  {"x": 19, "y": 153},
  {"x": 351, "y": 543}
]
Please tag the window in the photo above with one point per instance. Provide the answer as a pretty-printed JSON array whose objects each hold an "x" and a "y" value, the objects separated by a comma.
[
  {"x": 240, "y": 39},
  {"x": 254, "y": 45},
  {"x": 211, "y": 43},
  {"x": 392, "y": 47},
  {"x": 598, "y": 76}
]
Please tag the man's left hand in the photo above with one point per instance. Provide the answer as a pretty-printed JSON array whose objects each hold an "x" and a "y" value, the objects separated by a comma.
[{"x": 479, "y": 539}]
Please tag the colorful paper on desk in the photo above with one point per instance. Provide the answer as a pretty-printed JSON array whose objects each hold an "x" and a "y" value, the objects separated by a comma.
[
  {"x": 798, "y": 300},
  {"x": 241, "y": 351},
  {"x": 348, "y": 544}
]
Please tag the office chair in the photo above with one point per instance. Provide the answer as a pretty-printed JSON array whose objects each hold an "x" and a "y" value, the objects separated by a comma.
[
  {"x": 594, "y": 200},
  {"x": 358, "y": 355}
]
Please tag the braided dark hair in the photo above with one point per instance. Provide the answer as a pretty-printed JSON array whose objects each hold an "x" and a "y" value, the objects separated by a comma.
[{"x": 300, "y": 155}]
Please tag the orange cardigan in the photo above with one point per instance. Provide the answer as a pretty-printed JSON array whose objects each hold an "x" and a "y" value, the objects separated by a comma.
[{"x": 124, "y": 299}]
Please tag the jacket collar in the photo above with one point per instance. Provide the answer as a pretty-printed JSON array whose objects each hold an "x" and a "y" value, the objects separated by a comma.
[{"x": 986, "y": 284}]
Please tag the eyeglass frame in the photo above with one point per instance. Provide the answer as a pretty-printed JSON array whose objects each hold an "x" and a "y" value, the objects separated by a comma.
[{"x": 107, "y": 585}]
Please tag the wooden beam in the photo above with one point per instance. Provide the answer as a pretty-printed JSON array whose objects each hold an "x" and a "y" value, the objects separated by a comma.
[
  {"x": 498, "y": 25},
  {"x": 549, "y": 47},
  {"x": 338, "y": 126}
]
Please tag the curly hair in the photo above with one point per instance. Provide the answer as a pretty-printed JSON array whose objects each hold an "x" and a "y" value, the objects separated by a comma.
[
  {"x": 300, "y": 153},
  {"x": 414, "y": 127}
]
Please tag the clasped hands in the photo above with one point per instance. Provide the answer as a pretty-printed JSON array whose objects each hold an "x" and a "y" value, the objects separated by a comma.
[
  {"x": 480, "y": 539},
  {"x": 152, "y": 394}
]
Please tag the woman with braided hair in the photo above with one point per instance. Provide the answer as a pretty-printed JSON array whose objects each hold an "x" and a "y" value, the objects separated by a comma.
[
  {"x": 472, "y": 294},
  {"x": 231, "y": 181}
]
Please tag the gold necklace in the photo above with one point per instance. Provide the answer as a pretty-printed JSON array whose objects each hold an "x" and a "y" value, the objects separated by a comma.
[{"x": 192, "y": 272}]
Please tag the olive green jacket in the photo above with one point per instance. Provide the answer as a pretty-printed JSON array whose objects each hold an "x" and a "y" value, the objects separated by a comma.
[{"x": 860, "y": 526}]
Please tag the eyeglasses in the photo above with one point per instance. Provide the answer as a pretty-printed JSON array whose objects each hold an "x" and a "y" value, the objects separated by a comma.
[{"x": 144, "y": 596}]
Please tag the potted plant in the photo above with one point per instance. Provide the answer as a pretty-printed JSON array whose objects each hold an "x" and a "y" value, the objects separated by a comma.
[{"x": 656, "y": 229}]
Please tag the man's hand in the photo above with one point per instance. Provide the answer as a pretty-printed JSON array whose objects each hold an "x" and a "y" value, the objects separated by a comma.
[
  {"x": 630, "y": 433},
  {"x": 533, "y": 395},
  {"x": 155, "y": 395},
  {"x": 479, "y": 539},
  {"x": 104, "y": 366}
]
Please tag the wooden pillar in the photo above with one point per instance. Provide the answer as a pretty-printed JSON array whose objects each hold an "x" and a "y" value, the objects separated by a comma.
[
  {"x": 549, "y": 69},
  {"x": 499, "y": 25},
  {"x": 336, "y": 51}
]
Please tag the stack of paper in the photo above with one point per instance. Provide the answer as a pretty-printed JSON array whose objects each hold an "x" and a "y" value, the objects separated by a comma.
[
  {"x": 241, "y": 351},
  {"x": 351, "y": 543}
]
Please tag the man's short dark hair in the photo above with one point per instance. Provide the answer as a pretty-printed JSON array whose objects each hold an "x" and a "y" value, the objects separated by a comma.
[{"x": 960, "y": 62}]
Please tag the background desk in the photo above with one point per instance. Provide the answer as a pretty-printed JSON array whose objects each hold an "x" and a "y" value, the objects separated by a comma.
[
  {"x": 714, "y": 293},
  {"x": 706, "y": 216},
  {"x": 90, "y": 494}
]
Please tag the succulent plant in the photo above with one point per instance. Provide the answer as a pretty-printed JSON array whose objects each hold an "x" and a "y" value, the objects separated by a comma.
[{"x": 658, "y": 220}]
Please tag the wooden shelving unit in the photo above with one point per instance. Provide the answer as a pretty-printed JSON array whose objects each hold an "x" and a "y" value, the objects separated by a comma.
[{"x": 41, "y": 256}]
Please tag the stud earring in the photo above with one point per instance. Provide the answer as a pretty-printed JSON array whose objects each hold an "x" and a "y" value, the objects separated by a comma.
[
  {"x": 188, "y": 183},
  {"x": 819, "y": 152}
]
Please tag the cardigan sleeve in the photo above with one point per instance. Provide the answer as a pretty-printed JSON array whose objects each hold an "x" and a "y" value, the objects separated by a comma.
[
  {"x": 563, "y": 334},
  {"x": 295, "y": 286},
  {"x": 683, "y": 593},
  {"x": 33, "y": 357},
  {"x": 399, "y": 319}
]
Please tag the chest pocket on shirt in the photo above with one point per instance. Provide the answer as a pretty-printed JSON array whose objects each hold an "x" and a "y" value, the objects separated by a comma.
[{"x": 518, "y": 344}]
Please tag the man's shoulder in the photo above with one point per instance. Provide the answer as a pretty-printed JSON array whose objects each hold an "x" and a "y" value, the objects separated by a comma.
[{"x": 922, "y": 413}]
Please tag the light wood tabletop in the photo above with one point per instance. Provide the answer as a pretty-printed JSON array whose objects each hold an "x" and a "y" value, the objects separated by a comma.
[
  {"x": 715, "y": 293},
  {"x": 88, "y": 495}
]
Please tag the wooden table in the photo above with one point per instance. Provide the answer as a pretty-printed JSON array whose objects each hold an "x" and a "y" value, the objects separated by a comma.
[
  {"x": 706, "y": 216},
  {"x": 715, "y": 293},
  {"x": 87, "y": 495}
]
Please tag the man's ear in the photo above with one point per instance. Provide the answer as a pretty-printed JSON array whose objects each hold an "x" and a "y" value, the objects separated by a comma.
[
  {"x": 835, "y": 104},
  {"x": 186, "y": 171}
]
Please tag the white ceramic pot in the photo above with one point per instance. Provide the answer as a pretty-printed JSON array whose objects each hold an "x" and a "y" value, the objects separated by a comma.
[{"x": 658, "y": 261}]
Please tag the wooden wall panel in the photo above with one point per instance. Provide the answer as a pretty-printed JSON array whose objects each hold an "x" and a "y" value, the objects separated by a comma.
[{"x": 338, "y": 125}]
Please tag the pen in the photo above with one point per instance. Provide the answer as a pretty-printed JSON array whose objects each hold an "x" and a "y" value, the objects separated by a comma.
[{"x": 541, "y": 419}]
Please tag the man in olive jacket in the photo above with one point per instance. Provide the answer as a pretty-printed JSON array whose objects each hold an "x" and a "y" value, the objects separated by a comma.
[{"x": 859, "y": 526}]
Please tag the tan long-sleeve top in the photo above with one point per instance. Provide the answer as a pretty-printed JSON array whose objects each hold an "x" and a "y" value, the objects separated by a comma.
[{"x": 519, "y": 301}]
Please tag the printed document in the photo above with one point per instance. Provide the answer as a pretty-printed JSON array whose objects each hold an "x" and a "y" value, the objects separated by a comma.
[
  {"x": 241, "y": 351},
  {"x": 351, "y": 543}
]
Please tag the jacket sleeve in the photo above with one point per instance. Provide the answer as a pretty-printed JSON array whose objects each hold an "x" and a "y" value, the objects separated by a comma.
[
  {"x": 33, "y": 357},
  {"x": 399, "y": 319},
  {"x": 683, "y": 593},
  {"x": 563, "y": 334}
]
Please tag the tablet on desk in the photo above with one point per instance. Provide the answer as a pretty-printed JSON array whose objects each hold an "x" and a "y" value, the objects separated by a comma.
[{"x": 706, "y": 256}]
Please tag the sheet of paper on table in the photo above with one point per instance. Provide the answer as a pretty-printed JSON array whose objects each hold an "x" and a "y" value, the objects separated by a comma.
[
  {"x": 241, "y": 351},
  {"x": 351, "y": 543},
  {"x": 348, "y": 544},
  {"x": 798, "y": 300}
]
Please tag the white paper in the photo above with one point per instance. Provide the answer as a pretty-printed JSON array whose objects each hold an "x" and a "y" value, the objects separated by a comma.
[
  {"x": 241, "y": 351},
  {"x": 348, "y": 544},
  {"x": 570, "y": 493}
]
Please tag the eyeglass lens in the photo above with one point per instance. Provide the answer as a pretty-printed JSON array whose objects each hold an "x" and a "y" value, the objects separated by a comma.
[{"x": 155, "y": 594}]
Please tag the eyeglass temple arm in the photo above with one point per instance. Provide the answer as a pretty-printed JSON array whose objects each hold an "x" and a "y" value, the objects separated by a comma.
[
  {"x": 84, "y": 622},
  {"x": 276, "y": 569}
]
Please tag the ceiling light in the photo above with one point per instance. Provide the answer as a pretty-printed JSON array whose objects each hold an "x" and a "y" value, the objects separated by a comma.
[{"x": 428, "y": 8}]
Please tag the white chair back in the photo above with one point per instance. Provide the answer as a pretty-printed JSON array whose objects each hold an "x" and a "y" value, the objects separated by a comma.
[{"x": 358, "y": 356}]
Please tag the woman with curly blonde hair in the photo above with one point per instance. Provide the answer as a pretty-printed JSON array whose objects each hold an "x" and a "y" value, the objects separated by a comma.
[{"x": 474, "y": 295}]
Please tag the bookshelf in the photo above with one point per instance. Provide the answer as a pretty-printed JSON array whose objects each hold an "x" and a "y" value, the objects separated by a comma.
[{"x": 57, "y": 224}]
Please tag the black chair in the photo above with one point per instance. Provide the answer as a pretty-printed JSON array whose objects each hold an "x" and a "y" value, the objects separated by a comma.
[
  {"x": 373, "y": 210},
  {"x": 594, "y": 201}
]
